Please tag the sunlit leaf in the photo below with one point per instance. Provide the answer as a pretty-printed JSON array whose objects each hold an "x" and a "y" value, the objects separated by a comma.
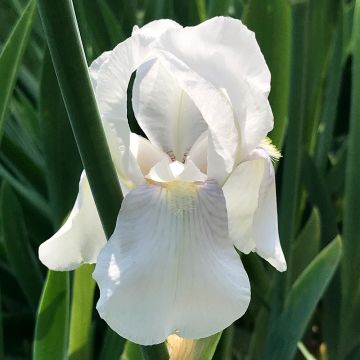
[
  {"x": 300, "y": 303},
  {"x": 81, "y": 313},
  {"x": 52, "y": 323}
]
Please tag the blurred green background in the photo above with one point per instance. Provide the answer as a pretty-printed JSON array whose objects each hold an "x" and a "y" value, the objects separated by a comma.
[{"x": 312, "y": 311}]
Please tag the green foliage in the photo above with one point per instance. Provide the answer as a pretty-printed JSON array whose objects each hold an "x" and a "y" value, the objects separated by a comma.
[
  {"x": 304, "y": 294},
  {"x": 312, "y": 48},
  {"x": 17, "y": 246},
  {"x": 52, "y": 323},
  {"x": 81, "y": 314},
  {"x": 11, "y": 56}
]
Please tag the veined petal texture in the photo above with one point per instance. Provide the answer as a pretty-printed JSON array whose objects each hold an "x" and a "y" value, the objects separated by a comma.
[{"x": 170, "y": 266}]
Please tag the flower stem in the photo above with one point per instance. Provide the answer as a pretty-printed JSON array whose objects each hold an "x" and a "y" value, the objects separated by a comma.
[{"x": 70, "y": 65}]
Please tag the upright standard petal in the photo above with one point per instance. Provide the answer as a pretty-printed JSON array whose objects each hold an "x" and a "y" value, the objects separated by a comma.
[
  {"x": 110, "y": 76},
  {"x": 225, "y": 53},
  {"x": 170, "y": 266},
  {"x": 165, "y": 112},
  {"x": 215, "y": 109},
  {"x": 80, "y": 239}
]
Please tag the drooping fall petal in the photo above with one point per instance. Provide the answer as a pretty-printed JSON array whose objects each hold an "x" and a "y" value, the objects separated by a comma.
[
  {"x": 170, "y": 266},
  {"x": 80, "y": 239}
]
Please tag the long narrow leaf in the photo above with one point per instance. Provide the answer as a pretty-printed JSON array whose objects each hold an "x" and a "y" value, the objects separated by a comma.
[
  {"x": 52, "y": 329},
  {"x": 271, "y": 22},
  {"x": 63, "y": 164},
  {"x": 1, "y": 331},
  {"x": 11, "y": 56},
  {"x": 81, "y": 314},
  {"x": 300, "y": 304},
  {"x": 351, "y": 262},
  {"x": 20, "y": 254},
  {"x": 113, "y": 346}
]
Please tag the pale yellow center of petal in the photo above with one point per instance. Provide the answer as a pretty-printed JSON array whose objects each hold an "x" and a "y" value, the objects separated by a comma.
[{"x": 181, "y": 195}]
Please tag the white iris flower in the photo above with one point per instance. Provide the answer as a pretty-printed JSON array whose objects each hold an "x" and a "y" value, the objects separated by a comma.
[{"x": 202, "y": 182}]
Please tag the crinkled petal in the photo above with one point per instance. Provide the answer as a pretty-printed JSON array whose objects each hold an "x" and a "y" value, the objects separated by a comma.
[
  {"x": 165, "y": 112},
  {"x": 95, "y": 67},
  {"x": 241, "y": 192},
  {"x": 224, "y": 52},
  {"x": 170, "y": 266},
  {"x": 80, "y": 239}
]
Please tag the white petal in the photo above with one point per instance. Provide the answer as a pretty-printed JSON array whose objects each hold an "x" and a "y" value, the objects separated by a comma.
[
  {"x": 80, "y": 239},
  {"x": 241, "y": 192},
  {"x": 251, "y": 203},
  {"x": 125, "y": 58},
  {"x": 145, "y": 153},
  {"x": 111, "y": 74},
  {"x": 215, "y": 110},
  {"x": 164, "y": 111},
  {"x": 96, "y": 65},
  {"x": 165, "y": 171},
  {"x": 170, "y": 267},
  {"x": 198, "y": 152},
  {"x": 265, "y": 230},
  {"x": 224, "y": 52}
]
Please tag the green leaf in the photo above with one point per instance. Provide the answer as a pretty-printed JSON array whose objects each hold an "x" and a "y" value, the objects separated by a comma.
[
  {"x": 63, "y": 164},
  {"x": 307, "y": 244},
  {"x": 218, "y": 8},
  {"x": 52, "y": 323},
  {"x": 351, "y": 261},
  {"x": 158, "y": 9},
  {"x": 81, "y": 313},
  {"x": 11, "y": 56},
  {"x": 70, "y": 65},
  {"x": 291, "y": 184},
  {"x": 114, "y": 29},
  {"x": 93, "y": 26},
  {"x": 271, "y": 22},
  {"x": 224, "y": 348},
  {"x": 305, "y": 293},
  {"x": 202, "y": 349},
  {"x": 323, "y": 16},
  {"x": 18, "y": 250},
  {"x": 330, "y": 103},
  {"x": 113, "y": 345},
  {"x": 132, "y": 352},
  {"x": 1, "y": 331},
  {"x": 305, "y": 352},
  {"x": 27, "y": 192},
  {"x": 320, "y": 197}
]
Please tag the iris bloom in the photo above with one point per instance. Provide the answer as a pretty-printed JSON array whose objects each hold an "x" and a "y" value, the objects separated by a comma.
[{"x": 201, "y": 183}]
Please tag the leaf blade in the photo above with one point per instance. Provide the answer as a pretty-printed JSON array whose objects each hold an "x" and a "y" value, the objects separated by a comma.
[{"x": 11, "y": 56}]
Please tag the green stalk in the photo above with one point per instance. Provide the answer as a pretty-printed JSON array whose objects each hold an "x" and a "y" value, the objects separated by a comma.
[
  {"x": 62, "y": 34},
  {"x": 63, "y": 38}
]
